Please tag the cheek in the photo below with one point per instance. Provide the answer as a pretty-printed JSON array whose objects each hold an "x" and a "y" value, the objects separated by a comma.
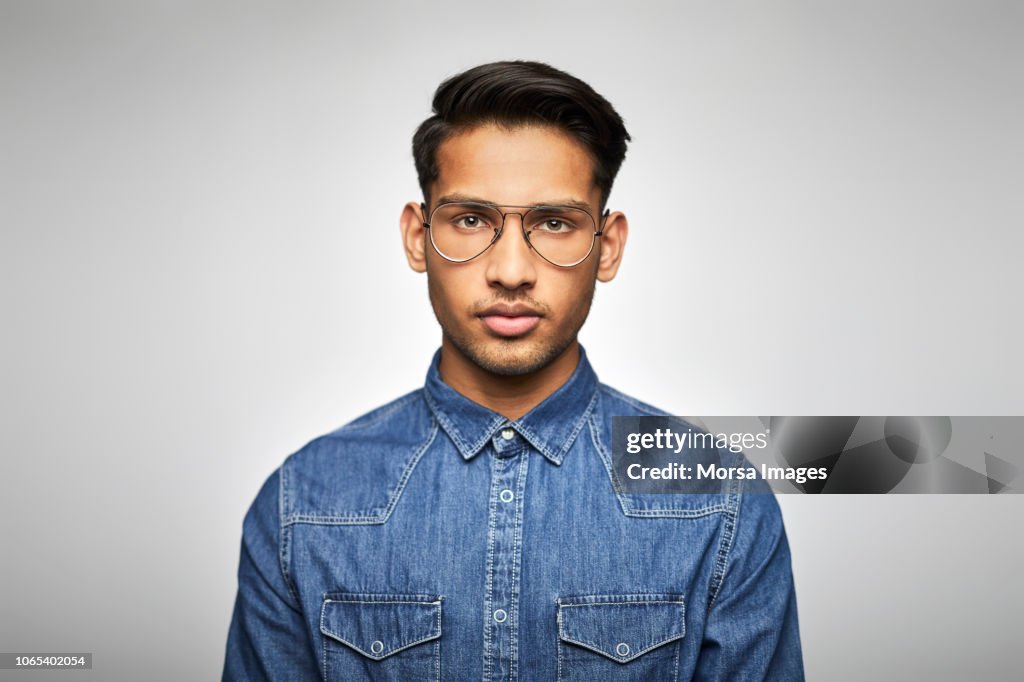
[
  {"x": 570, "y": 293},
  {"x": 454, "y": 287}
]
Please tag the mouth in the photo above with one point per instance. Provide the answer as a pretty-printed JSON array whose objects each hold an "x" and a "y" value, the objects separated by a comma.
[{"x": 510, "y": 320}]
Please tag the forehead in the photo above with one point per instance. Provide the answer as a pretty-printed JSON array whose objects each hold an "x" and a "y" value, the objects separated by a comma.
[{"x": 521, "y": 165}]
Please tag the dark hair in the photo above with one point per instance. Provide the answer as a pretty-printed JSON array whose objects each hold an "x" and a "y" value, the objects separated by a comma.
[{"x": 522, "y": 93}]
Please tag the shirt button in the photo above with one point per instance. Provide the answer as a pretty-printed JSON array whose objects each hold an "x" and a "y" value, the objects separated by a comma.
[
  {"x": 622, "y": 649},
  {"x": 506, "y": 495},
  {"x": 500, "y": 616},
  {"x": 508, "y": 434}
]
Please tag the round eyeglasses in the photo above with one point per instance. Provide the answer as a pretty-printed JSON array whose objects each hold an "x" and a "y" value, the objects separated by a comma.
[{"x": 562, "y": 235}]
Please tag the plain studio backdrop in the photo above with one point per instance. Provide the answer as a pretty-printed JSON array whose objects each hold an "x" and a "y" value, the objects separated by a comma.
[{"x": 202, "y": 271}]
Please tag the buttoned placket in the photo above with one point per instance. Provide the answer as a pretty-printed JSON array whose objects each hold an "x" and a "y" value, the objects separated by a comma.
[{"x": 509, "y": 462}]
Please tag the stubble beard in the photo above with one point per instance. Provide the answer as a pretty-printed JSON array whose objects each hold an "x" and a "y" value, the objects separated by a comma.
[{"x": 510, "y": 357}]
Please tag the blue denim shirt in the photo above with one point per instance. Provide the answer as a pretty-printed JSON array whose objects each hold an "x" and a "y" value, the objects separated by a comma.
[{"x": 433, "y": 539}]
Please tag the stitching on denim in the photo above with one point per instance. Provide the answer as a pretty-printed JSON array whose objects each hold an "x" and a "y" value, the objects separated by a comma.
[
  {"x": 541, "y": 444},
  {"x": 679, "y": 646},
  {"x": 284, "y": 546},
  {"x": 486, "y": 435},
  {"x": 324, "y": 645},
  {"x": 595, "y": 436},
  {"x": 436, "y": 602},
  {"x": 373, "y": 516},
  {"x": 449, "y": 427},
  {"x": 282, "y": 493},
  {"x": 623, "y": 600},
  {"x": 435, "y": 633},
  {"x": 437, "y": 648},
  {"x": 284, "y": 557},
  {"x": 323, "y": 608},
  {"x": 465, "y": 450},
  {"x": 536, "y": 441},
  {"x": 517, "y": 544},
  {"x": 370, "y": 518},
  {"x": 372, "y": 657},
  {"x": 409, "y": 467},
  {"x": 627, "y": 510},
  {"x": 558, "y": 625},
  {"x": 579, "y": 427},
  {"x": 725, "y": 543},
  {"x": 677, "y": 513},
  {"x": 488, "y": 603},
  {"x": 596, "y": 648},
  {"x": 634, "y": 602},
  {"x": 415, "y": 597}
]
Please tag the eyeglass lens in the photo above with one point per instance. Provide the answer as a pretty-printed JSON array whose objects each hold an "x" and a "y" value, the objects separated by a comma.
[{"x": 562, "y": 235}]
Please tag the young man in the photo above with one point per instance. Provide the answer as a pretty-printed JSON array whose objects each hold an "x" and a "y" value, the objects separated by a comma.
[{"x": 470, "y": 530}]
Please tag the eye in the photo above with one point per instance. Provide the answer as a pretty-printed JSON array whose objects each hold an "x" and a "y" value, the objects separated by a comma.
[
  {"x": 555, "y": 225},
  {"x": 469, "y": 222},
  {"x": 551, "y": 225}
]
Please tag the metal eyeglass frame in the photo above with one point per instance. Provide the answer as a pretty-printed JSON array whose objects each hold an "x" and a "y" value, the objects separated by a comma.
[{"x": 598, "y": 229}]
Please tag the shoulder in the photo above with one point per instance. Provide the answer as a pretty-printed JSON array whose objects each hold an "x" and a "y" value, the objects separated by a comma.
[
  {"x": 349, "y": 475},
  {"x": 749, "y": 497},
  {"x": 614, "y": 403},
  {"x": 399, "y": 422}
]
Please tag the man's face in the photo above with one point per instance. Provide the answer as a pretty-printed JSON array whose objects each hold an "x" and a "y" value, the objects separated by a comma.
[{"x": 509, "y": 311}]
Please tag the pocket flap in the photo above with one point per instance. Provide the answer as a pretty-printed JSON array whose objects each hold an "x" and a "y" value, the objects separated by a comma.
[
  {"x": 621, "y": 627},
  {"x": 378, "y": 625}
]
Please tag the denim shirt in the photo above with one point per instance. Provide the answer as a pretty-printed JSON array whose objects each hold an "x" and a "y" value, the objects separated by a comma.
[{"x": 434, "y": 539}]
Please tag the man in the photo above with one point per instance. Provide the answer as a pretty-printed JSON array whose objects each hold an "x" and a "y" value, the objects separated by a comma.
[{"x": 470, "y": 529}]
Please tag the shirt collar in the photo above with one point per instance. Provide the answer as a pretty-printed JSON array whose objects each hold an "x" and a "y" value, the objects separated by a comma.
[{"x": 550, "y": 427}]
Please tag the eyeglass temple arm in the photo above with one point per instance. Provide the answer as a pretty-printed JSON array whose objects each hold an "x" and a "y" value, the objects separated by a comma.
[{"x": 607, "y": 212}]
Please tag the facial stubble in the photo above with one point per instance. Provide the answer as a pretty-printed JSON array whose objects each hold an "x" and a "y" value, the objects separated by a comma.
[{"x": 518, "y": 356}]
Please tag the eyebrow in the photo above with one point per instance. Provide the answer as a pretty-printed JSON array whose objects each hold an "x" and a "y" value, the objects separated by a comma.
[{"x": 575, "y": 203}]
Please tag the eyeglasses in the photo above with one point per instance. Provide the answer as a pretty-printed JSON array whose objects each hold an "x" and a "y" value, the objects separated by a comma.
[{"x": 561, "y": 235}]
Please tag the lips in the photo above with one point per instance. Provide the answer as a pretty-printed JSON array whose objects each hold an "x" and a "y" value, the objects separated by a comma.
[{"x": 510, "y": 320}]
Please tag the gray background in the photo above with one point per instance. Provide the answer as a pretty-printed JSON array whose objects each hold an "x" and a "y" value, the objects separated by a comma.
[{"x": 202, "y": 271}]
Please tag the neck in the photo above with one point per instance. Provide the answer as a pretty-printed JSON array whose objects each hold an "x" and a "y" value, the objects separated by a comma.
[{"x": 509, "y": 396}]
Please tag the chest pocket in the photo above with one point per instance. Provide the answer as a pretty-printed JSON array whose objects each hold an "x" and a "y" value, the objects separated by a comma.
[
  {"x": 381, "y": 637},
  {"x": 621, "y": 637}
]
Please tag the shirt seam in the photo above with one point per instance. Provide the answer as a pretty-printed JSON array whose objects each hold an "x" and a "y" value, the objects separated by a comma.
[
  {"x": 724, "y": 554},
  {"x": 373, "y": 516},
  {"x": 284, "y": 537}
]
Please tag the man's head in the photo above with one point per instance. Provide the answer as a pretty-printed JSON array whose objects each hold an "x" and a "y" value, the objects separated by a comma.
[
  {"x": 512, "y": 94},
  {"x": 510, "y": 136}
]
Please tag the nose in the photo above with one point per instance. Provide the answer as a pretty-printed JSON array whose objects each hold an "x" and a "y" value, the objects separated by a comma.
[{"x": 509, "y": 261}]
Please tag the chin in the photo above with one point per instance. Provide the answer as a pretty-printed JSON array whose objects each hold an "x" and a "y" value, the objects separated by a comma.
[{"x": 511, "y": 357}]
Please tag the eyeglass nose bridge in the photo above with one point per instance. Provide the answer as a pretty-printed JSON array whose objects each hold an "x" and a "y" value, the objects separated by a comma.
[{"x": 522, "y": 228}]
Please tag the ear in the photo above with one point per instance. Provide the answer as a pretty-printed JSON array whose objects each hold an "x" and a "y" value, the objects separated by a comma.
[
  {"x": 613, "y": 243},
  {"x": 414, "y": 236}
]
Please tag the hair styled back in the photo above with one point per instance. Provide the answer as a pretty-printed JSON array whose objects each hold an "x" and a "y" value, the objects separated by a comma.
[{"x": 522, "y": 93}]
